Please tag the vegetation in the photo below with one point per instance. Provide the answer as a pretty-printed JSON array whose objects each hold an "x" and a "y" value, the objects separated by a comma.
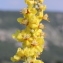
[{"x": 55, "y": 47}]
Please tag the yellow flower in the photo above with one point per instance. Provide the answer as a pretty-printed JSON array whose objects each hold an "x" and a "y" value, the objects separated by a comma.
[
  {"x": 45, "y": 17},
  {"x": 37, "y": 33},
  {"x": 26, "y": 43},
  {"x": 29, "y": 2},
  {"x": 15, "y": 34},
  {"x": 34, "y": 21},
  {"x": 40, "y": 41},
  {"x": 28, "y": 52},
  {"x": 20, "y": 52},
  {"x": 40, "y": 15},
  {"x": 34, "y": 43},
  {"x": 22, "y": 21},
  {"x": 41, "y": 1},
  {"x": 33, "y": 10},
  {"x": 41, "y": 26},
  {"x": 32, "y": 37},
  {"x": 19, "y": 37},
  {"x": 33, "y": 26},
  {"x": 15, "y": 58},
  {"x": 24, "y": 11},
  {"x": 42, "y": 7}
]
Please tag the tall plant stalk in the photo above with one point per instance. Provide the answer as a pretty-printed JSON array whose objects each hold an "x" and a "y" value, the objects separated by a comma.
[{"x": 32, "y": 37}]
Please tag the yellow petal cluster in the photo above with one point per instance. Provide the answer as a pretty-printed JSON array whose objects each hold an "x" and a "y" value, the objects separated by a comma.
[{"x": 32, "y": 37}]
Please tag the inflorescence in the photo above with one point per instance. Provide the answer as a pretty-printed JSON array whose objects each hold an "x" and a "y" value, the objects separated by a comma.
[{"x": 32, "y": 37}]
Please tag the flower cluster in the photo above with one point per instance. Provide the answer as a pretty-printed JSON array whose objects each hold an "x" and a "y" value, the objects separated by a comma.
[{"x": 32, "y": 37}]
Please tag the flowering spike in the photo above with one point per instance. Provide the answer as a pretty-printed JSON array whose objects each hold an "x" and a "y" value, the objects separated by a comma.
[{"x": 32, "y": 37}]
